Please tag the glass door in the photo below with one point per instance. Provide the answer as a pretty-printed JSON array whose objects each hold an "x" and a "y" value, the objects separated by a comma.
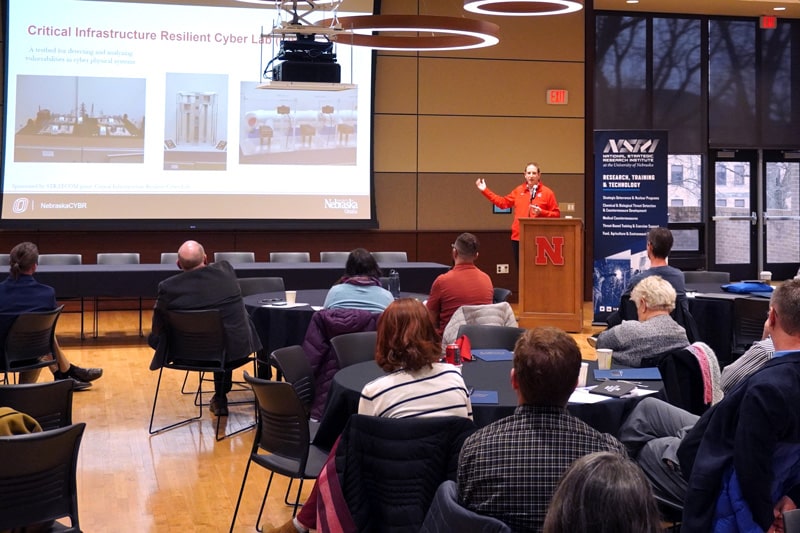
[
  {"x": 733, "y": 231},
  {"x": 781, "y": 213}
]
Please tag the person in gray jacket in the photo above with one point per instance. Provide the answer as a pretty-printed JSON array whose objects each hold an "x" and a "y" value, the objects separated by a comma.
[{"x": 655, "y": 332}]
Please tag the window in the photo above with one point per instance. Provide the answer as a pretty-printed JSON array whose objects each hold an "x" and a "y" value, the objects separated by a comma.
[
  {"x": 738, "y": 175},
  {"x": 738, "y": 202},
  {"x": 676, "y": 174},
  {"x": 721, "y": 176},
  {"x": 722, "y": 202},
  {"x": 676, "y": 202}
]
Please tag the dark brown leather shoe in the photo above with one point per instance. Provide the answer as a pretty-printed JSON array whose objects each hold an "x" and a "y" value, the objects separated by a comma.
[
  {"x": 84, "y": 374},
  {"x": 219, "y": 405}
]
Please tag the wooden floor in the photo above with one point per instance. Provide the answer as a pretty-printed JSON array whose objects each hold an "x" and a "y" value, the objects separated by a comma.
[{"x": 179, "y": 480}]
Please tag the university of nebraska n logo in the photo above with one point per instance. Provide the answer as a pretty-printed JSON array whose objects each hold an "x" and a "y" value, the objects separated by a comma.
[{"x": 552, "y": 250}]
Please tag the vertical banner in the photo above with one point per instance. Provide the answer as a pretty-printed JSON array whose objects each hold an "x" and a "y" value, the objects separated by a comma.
[{"x": 630, "y": 176}]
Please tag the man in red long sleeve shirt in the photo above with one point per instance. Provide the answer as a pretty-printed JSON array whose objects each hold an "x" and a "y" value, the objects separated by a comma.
[{"x": 530, "y": 199}]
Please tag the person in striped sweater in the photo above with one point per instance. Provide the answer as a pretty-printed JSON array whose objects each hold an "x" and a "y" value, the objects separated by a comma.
[{"x": 417, "y": 385}]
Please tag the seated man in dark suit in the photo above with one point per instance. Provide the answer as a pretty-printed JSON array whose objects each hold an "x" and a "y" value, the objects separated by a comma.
[
  {"x": 203, "y": 286},
  {"x": 21, "y": 293}
]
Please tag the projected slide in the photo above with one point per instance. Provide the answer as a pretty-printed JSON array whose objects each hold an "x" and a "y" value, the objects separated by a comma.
[{"x": 151, "y": 112}]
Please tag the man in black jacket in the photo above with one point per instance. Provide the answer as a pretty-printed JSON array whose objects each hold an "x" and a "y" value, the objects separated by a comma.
[{"x": 203, "y": 286}]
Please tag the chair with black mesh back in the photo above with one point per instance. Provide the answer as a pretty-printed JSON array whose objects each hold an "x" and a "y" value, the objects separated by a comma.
[
  {"x": 282, "y": 442},
  {"x": 258, "y": 285},
  {"x": 29, "y": 339},
  {"x": 390, "y": 257},
  {"x": 749, "y": 315},
  {"x": 352, "y": 348},
  {"x": 500, "y": 295},
  {"x": 235, "y": 257},
  {"x": 38, "y": 478},
  {"x": 487, "y": 337},
  {"x": 50, "y": 402},
  {"x": 195, "y": 342},
  {"x": 65, "y": 260},
  {"x": 333, "y": 257},
  {"x": 289, "y": 257},
  {"x": 169, "y": 258},
  {"x": 115, "y": 258}
]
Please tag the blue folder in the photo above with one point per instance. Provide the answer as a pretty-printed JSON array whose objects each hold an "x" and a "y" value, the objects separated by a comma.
[
  {"x": 493, "y": 354},
  {"x": 642, "y": 374}
]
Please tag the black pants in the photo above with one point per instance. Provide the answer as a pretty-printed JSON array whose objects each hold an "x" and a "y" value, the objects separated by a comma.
[{"x": 515, "y": 249}]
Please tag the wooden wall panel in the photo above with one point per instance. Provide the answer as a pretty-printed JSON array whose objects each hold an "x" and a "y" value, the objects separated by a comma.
[
  {"x": 395, "y": 147},
  {"x": 396, "y": 201},
  {"x": 395, "y": 85},
  {"x": 499, "y": 144},
  {"x": 498, "y": 88}
]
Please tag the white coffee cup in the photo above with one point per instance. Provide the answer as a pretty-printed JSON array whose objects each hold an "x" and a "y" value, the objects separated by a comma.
[
  {"x": 765, "y": 275},
  {"x": 604, "y": 358},
  {"x": 583, "y": 374},
  {"x": 291, "y": 297}
]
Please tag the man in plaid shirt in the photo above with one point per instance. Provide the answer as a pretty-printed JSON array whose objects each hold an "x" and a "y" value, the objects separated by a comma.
[{"x": 510, "y": 469}]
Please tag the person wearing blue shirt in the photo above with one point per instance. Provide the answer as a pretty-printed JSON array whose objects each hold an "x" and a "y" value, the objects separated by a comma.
[
  {"x": 21, "y": 293},
  {"x": 360, "y": 287}
]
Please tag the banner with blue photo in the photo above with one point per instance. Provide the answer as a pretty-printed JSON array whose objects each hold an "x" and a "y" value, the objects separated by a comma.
[{"x": 630, "y": 176}]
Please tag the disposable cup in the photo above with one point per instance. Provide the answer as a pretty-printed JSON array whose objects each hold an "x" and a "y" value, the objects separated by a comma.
[
  {"x": 604, "y": 358},
  {"x": 582, "y": 375},
  {"x": 291, "y": 297}
]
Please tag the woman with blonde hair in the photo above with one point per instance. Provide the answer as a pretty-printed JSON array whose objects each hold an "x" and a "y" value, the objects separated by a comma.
[{"x": 655, "y": 332}]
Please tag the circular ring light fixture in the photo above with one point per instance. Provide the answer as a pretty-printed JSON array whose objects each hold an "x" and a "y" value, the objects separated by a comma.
[
  {"x": 522, "y": 8},
  {"x": 417, "y": 32}
]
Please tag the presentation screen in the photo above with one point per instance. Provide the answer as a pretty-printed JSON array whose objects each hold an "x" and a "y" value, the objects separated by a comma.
[{"x": 137, "y": 115}]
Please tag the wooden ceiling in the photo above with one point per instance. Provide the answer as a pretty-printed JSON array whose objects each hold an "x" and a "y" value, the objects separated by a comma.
[{"x": 739, "y": 8}]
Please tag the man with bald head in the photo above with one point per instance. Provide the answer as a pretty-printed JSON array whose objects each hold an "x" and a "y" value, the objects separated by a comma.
[{"x": 202, "y": 286}]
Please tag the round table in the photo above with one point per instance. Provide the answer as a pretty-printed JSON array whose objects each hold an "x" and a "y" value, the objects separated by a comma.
[{"x": 345, "y": 392}]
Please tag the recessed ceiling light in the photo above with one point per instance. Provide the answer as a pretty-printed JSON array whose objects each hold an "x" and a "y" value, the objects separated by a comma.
[
  {"x": 631, "y": 1},
  {"x": 779, "y": 9}
]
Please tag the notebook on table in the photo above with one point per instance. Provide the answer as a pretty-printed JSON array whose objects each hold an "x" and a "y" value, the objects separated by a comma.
[
  {"x": 649, "y": 373},
  {"x": 493, "y": 354},
  {"x": 614, "y": 389}
]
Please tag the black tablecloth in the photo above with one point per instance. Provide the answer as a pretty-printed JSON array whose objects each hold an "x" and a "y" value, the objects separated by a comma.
[
  {"x": 143, "y": 279},
  {"x": 606, "y": 416}
]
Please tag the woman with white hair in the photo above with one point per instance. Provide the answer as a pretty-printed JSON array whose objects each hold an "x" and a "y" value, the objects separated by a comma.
[{"x": 655, "y": 332}]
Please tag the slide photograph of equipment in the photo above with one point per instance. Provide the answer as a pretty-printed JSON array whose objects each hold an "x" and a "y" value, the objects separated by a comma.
[{"x": 123, "y": 114}]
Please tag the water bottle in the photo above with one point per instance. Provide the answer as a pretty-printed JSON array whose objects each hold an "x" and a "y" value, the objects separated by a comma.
[{"x": 394, "y": 283}]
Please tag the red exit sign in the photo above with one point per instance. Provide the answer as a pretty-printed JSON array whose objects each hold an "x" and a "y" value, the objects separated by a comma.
[
  {"x": 768, "y": 22},
  {"x": 557, "y": 96}
]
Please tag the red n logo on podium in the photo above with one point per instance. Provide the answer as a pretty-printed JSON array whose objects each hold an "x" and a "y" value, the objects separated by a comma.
[{"x": 547, "y": 249}]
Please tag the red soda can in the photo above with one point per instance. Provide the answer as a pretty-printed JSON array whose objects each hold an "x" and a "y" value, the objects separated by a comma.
[{"x": 452, "y": 354}]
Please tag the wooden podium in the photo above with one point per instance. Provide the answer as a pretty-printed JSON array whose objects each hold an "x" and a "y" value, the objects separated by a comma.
[{"x": 551, "y": 273}]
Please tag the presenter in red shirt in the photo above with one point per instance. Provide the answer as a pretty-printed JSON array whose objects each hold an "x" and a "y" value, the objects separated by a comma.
[{"x": 530, "y": 199}]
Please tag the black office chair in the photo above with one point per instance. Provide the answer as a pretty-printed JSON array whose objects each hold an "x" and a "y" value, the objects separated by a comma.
[
  {"x": 487, "y": 337},
  {"x": 115, "y": 258},
  {"x": 390, "y": 257},
  {"x": 683, "y": 380},
  {"x": 195, "y": 342},
  {"x": 66, "y": 259},
  {"x": 37, "y": 481},
  {"x": 50, "y": 402},
  {"x": 447, "y": 514},
  {"x": 283, "y": 435},
  {"x": 352, "y": 348},
  {"x": 293, "y": 365},
  {"x": 500, "y": 295},
  {"x": 28, "y": 340},
  {"x": 289, "y": 257},
  {"x": 749, "y": 315},
  {"x": 258, "y": 285},
  {"x": 382, "y": 461},
  {"x": 235, "y": 257},
  {"x": 333, "y": 257}
]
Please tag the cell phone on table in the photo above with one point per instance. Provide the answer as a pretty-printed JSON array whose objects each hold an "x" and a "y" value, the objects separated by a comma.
[{"x": 272, "y": 301}]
